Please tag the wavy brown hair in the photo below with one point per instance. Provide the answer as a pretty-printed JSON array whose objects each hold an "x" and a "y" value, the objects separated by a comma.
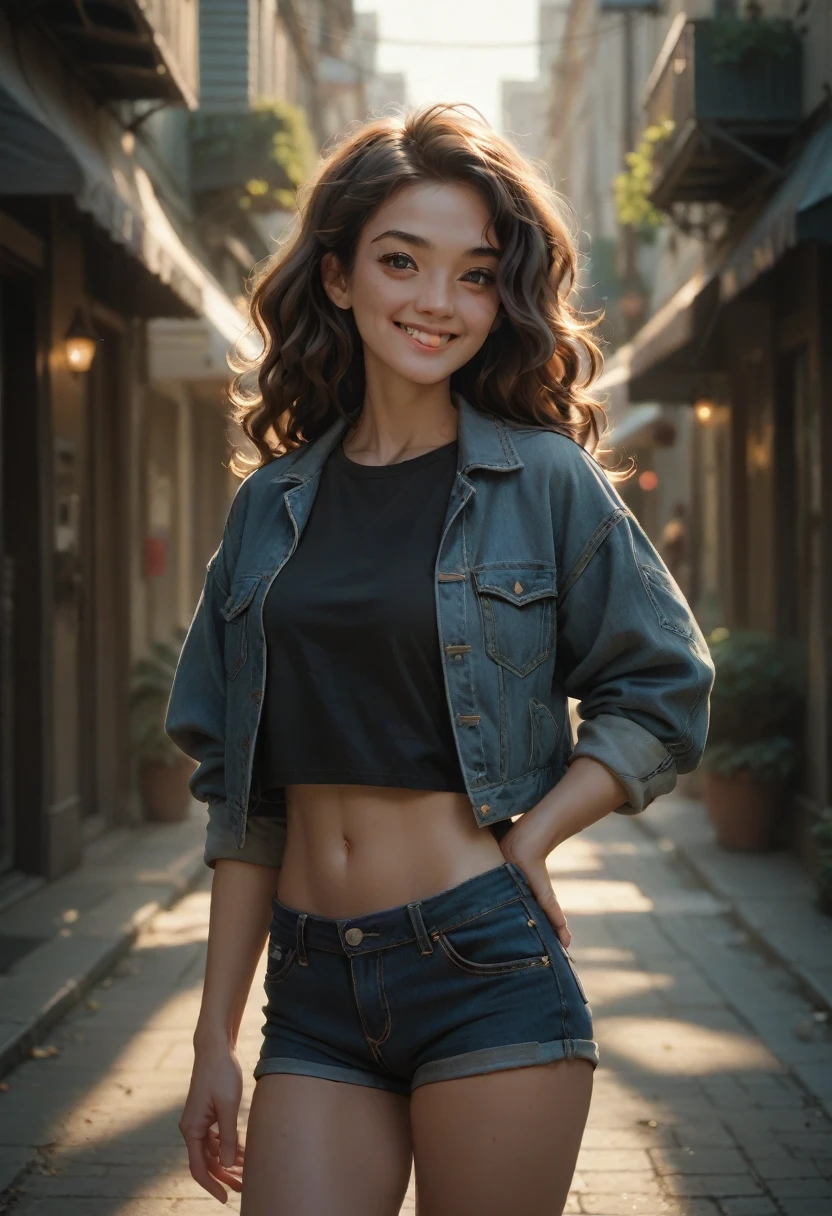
[{"x": 536, "y": 368}]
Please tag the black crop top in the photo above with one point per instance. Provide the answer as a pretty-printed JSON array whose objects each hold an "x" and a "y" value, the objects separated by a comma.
[{"x": 354, "y": 680}]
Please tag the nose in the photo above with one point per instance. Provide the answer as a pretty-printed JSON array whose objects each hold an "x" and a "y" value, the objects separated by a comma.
[{"x": 435, "y": 297}]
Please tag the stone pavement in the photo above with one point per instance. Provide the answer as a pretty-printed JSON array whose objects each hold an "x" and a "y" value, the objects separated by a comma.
[
  {"x": 771, "y": 894},
  {"x": 60, "y": 938},
  {"x": 703, "y": 1103}
]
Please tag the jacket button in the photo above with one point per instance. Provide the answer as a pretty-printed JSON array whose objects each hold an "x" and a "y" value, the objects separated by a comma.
[
  {"x": 485, "y": 808},
  {"x": 354, "y": 937},
  {"x": 518, "y": 587}
]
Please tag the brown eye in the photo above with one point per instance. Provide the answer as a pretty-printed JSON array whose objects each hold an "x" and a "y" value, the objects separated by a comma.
[{"x": 398, "y": 261}]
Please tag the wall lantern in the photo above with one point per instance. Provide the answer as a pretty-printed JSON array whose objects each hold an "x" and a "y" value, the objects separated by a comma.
[
  {"x": 80, "y": 343},
  {"x": 704, "y": 411}
]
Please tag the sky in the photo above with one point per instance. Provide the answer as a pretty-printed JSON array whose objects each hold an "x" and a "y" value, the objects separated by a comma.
[{"x": 454, "y": 74}]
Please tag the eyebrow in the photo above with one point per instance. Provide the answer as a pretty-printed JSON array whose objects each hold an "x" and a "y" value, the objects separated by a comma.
[{"x": 421, "y": 242}]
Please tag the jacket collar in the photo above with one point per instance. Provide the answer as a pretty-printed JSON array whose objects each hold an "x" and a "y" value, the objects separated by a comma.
[{"x": 484, "y": 443}]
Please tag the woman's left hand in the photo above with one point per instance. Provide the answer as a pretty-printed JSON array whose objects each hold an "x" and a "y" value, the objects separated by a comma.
[{"x": 533, "y": 864}]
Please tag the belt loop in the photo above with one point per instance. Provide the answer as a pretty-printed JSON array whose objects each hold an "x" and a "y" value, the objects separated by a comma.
[
  {"x": 301, "y": 944},
  {"x": 425, "y": 944},
  {"x": 520, "y": 880}
]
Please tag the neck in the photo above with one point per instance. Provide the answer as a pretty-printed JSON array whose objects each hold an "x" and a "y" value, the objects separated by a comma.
[{"x": 399, "y": 418}]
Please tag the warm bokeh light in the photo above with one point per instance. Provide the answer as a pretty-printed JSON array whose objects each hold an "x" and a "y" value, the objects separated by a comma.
[
  {"x": 704, "y": 412},
  {"x": 80, "y": 353},
  {"x": 648, "y": 480}
]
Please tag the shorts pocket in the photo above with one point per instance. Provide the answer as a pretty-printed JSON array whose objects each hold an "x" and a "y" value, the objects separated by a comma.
[
  {"x": 497, "y": 943},
  {"x": 574, "y": 971},
  {"x": 280, "y": 962}
]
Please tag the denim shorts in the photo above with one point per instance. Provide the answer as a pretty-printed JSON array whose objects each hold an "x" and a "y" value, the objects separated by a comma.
[{"x": 472, "y": 980}]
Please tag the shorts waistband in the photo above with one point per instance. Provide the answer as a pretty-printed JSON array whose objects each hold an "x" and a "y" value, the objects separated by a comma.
[{"x": 405, "y": 923}]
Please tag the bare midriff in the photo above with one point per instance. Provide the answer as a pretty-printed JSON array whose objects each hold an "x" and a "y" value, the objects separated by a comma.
[{"x": 355, "y": 849}]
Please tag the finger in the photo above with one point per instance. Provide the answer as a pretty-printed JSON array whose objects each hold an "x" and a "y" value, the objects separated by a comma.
[
  {"x": 213, "y": 1145},
  {"x": 232, "y": 1177},
  {"x": 200, "y": 1173},
  {"x": 554, "y": 913},
  {"x": 227, "y": 1127}
]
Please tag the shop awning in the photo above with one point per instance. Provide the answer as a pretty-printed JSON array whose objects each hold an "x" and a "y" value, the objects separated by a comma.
[
  {"x": 54, "y": 141},
  {"x": 671, "y": 351},
  {"x": 800, "y": 210}
]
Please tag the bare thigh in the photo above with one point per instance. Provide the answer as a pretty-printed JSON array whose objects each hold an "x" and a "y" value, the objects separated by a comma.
[
  {"x": 501, "y": 1142},
  {"x": 325, "y": 1148}
]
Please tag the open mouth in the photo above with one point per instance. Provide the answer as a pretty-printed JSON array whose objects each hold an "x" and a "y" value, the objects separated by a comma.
[{"x": 431, "y": 341}]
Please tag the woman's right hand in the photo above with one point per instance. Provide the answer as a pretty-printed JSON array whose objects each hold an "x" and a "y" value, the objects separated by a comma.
[{"x": 209, "y": 1121}]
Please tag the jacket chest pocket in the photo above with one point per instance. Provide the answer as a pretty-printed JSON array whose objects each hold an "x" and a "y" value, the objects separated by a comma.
[
  {"x": 236, "y": 613},
  {"x": 517, "y": 605}
]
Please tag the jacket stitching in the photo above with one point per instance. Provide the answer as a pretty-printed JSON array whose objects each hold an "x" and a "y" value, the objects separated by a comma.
[{"x": 592, "y": 546}]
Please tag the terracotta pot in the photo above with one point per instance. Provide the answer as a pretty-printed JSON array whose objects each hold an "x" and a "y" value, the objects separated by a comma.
[
  {"x": 164, "y": 790},
  {"x": 744, "y": 812}
]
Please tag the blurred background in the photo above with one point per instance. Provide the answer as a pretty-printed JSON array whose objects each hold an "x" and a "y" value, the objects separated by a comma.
[
  {"x": 149, "y": 155},
  {"x": 150, "y": 151}
]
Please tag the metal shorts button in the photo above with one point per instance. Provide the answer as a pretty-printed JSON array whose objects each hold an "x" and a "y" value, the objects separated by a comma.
[{"x": 353, "y": 937}]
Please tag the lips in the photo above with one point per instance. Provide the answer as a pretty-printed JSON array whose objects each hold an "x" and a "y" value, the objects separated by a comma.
[{"x": 431, "y": 341}]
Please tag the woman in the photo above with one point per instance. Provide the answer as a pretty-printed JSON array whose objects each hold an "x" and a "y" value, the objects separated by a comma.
[{"x": 424, "y": 565}]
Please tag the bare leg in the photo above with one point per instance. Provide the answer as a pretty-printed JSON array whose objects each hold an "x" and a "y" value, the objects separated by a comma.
[
  {"x": 324, "y": 1148},
  {"x": 502, "y": 1142}
]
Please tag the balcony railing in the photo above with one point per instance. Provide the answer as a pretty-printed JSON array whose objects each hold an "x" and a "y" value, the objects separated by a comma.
[
  {"x": 130, "y": 50},
  {"x": 732, "y": 116}
]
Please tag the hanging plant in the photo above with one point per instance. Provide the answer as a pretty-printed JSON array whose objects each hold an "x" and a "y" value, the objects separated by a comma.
[
  {"x": 741, "y": 40},
  {"x": 631, "y": 189},
  {"x": 256, "y": 159}
]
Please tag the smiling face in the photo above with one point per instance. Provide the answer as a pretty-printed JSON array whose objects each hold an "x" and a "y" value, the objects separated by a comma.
[{"x": 423, "y": 286}]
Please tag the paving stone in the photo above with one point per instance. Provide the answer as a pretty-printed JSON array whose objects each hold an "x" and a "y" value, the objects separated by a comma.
[
  {"x": 801, "y": 1188},
  {"x": 757, "y": 1206},
  {"x": 718, "y": 1185},
  {"x": 699, "y": 1161}
]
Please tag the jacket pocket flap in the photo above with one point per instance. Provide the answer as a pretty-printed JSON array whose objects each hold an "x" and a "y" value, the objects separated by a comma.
[
  {"x": 242, "y": 593},
  {"x": 518, "y": 584}
]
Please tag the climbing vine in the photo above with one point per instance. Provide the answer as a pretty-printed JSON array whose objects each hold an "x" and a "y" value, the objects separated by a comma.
[
  {"x": 256, "y": 159},
  {"x": 631, "y": 188}
]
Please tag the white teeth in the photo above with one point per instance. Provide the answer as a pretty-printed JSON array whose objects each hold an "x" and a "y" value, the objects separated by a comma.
[{"x": 427, "y": 339}]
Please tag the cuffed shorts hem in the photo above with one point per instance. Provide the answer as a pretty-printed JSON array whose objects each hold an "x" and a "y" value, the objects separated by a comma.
[
  {"x": 328, "y": 1072},
  {"x": 469, "y": 1064},
  {"x": 514, "y": 1055}
]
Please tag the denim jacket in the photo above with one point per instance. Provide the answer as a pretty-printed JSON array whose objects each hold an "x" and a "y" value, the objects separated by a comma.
[{"x": 545, "y": 588}]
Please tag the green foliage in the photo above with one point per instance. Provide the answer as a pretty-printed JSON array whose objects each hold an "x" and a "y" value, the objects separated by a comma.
[
  {"x": 258, "y": 158},
  {"x": 631, "y": 189},
  {"x": 766, "y": 760},
  {"x": 822, "y": 832},
  {"x": 149, "y": 695},
  {"x": 741, "y": 40},
  {"x": 756, "y": 705}
]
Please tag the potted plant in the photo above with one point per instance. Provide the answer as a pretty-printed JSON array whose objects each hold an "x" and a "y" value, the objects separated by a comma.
[
  {"x": 163, "y": 771},
  {"x": 822, "y": 832},
  {"x": 752, "y": 743}
]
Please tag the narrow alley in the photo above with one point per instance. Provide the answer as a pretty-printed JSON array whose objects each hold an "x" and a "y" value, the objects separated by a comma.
[{"x": 696, "y": 1110}]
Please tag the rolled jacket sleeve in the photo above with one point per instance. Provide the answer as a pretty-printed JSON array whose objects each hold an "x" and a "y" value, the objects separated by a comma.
[
  {"x": 196, "y": 722},
  {"x": 629, "y": 648}
]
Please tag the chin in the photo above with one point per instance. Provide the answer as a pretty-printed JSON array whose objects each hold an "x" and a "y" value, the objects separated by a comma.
[{"x": 424, "y": 371}]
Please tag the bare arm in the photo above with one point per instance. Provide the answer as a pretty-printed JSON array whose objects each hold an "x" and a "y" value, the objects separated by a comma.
[
  {"x": 240, "y": 913},
  {"x": 587, "y": 792},
  {"x": 241, "y": 896}
]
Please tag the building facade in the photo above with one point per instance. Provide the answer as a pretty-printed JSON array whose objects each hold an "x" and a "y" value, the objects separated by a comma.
[
  {"x": 718, "y": 361},
  {"x": 123, "y": 272}
]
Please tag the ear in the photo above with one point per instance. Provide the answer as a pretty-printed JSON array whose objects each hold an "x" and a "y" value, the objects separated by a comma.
[{"x": 335, "y": 281}]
